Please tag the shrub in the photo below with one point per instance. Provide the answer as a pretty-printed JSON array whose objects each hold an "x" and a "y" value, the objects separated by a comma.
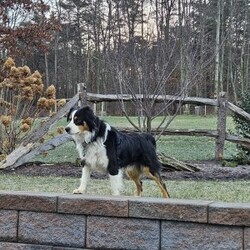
[
  {"x": 243, "y": 129},
  {"x": 22, "y": 101}
]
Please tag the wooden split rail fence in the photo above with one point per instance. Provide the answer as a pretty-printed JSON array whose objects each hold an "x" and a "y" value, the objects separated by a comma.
[{"x": 30, "y": 148}]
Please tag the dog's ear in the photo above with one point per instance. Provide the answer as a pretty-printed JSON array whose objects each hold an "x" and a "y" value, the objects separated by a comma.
[
  {"x": 90, "y": 118},
  {"x": 87, "y": 109},
  {"x": 69, "y": 113},
  {"x": 88, "y": 112}
]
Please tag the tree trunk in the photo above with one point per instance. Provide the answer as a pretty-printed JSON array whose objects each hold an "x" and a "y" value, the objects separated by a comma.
[
  {"x": 217, "y": 50},
  {"x": 221, "y": 126},
  {"x": 56, "y": 62},
  {"x": 46, "y": 69},
  {"x": 243, "y": 53}
]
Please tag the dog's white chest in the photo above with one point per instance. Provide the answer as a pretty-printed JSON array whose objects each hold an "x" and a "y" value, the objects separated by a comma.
[{"x": 96, "y": 156}]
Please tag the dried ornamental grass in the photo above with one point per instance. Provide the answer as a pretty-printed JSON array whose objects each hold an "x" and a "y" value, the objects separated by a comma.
[
  {"x": 8, "y": 64},
  {"x": 6, "y": 145},
  {"x": 14, "y": 72},
  {"x": 26, "y": 124},
  {"x": 4, "y": 104},
  {"x": 28, "y": 121},
  {"x": 27, "y": 93},
  {"x": 22, "y": 93},
  {"x": 37, "y": 75},
  {"x": 41, "y": 103},
  {"x": 6, "y": 120},
  {"x": 2, "y": 156},
  {"x": 25, "y": 71},
  {"x": 61, "y": 103},
  {"x": 38, "y": 89},
  {"x": 28, "y": 81},
  {"x": 51, "y": 103},
  {"x": 25, "y": 127},
  {"x": 51, "y": 92},
  {"x": 60, "y": 130},
  {"x": 8, "y": 83}
]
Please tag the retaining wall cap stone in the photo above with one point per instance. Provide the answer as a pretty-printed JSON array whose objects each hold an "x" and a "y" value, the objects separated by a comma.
[
  {"x": 93, "y": 205},
  {"x": 169, "y": 209},
  {"x": 229, "y": 213},
  {"x": 29, "y": 201}
]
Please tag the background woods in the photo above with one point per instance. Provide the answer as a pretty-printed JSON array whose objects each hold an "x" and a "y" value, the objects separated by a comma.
[{"x": 182, "y": 47}]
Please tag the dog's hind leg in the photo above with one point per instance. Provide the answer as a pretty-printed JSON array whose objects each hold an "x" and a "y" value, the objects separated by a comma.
[
  {"x": 134, "y": 174},
  {"x": 157, "y": 178},
  {"x": 116, "y": 183},
  {"x": 84, "y": 180}
]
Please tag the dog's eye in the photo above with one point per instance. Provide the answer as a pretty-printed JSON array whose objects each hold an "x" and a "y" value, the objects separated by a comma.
[{"x": 76, "y": 120}]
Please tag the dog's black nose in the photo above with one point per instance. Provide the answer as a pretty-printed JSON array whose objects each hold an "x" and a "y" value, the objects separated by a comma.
[{"x": 67, "y": 129}]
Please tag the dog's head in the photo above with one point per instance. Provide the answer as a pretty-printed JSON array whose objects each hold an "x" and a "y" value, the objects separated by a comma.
[{"x": 80, "y": 121}]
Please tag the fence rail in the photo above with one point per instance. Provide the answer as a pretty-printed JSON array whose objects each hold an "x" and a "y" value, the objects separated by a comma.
[{"x": 92, "y": 97}]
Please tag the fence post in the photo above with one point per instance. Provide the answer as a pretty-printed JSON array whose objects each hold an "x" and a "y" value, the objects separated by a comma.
[
  {"x": 82, "y": 90},
  {"x": 221, "y": 126}
]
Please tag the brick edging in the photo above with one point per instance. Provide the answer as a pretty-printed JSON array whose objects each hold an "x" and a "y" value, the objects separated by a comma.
[{"x": 82, "y": 221}]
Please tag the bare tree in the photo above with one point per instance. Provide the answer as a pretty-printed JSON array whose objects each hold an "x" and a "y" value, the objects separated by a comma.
[
  {"x": 153, "y": 66},
  {"x": 92, "y": 29}
]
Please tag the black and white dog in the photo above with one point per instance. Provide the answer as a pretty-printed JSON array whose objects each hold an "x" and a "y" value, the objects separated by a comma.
[{"x": 111, "y": 151}]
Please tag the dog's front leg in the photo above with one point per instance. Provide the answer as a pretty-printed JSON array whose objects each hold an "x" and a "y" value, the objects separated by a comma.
[
  {"x": 84, "y": 180},
  {"x": 80, "y": 150}
]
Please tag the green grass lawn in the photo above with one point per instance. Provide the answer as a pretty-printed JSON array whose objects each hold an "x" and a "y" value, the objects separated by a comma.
[{"x": 229, "y": 191}]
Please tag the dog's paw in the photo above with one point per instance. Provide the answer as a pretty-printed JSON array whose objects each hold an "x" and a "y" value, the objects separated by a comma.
[
  {"x": 117, "y": 193},
  {"x": 137, "y": 194},
  {"x": 78, "y": 191}
]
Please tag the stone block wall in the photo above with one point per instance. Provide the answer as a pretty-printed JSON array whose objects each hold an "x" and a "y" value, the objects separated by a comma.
[{"x": 57, "y": 221}]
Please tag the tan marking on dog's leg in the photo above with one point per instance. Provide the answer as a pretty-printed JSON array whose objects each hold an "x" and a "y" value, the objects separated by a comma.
[
  {"x": 134, "y": 174},
  {"x": 156, "y": 177}
]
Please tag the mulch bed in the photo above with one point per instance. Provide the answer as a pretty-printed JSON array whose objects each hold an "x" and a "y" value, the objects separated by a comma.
[{"x": 209, "y": 170}]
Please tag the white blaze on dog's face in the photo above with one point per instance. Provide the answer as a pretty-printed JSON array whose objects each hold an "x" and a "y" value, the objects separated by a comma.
[{"x": 77, "y": 124}]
